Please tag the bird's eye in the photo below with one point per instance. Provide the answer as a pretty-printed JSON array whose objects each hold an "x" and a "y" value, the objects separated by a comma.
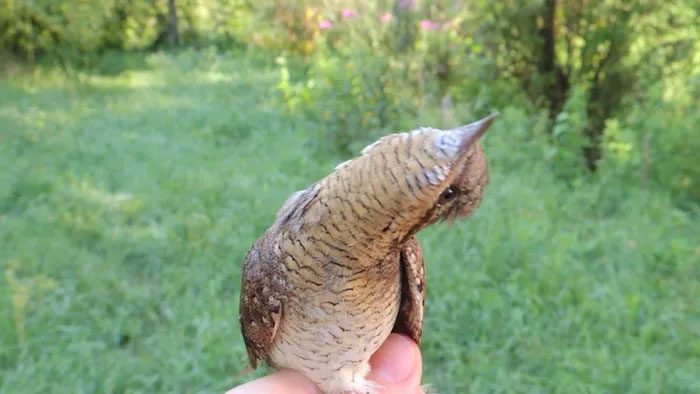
[{"x": 448, "y": 194}]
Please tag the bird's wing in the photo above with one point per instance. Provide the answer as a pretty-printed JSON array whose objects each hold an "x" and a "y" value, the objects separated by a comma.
[
  {"x": 263, "y": 290},
  {"x": 410, "y": 318},
  {"x": 261, "y": 303}
]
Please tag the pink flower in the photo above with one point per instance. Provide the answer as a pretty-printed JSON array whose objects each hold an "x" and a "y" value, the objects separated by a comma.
[
  {"x": 386, "y": 17},
  {"x": 325, "y": 24},
  {"x": 406, "y": 4},
  {"x": 348, "y": 13},
  {"x": 427, "y": 24}
]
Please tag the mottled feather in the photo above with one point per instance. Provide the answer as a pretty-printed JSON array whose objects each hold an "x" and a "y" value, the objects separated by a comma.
[{"x": 410, "y": 318}]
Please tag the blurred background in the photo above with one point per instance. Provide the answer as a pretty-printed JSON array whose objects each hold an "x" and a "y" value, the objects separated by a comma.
[{"x": 144, "y": 145}]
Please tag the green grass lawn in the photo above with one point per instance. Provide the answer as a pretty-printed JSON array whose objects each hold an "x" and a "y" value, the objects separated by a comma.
[{"x": 128, "y": 201}]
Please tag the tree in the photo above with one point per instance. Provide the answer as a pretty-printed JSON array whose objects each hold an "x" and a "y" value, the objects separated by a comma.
[
  {"x": 173, "y": 34},
  {"x": 550, "y": 46}
]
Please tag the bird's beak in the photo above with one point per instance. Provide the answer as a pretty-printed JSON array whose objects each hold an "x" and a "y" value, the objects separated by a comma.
[{"x": 471, "y": 132}]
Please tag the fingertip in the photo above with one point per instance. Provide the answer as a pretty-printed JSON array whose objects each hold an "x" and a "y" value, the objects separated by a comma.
[
  {"x": 284, "y": 381},
  {"x": 397, "y": 364}
]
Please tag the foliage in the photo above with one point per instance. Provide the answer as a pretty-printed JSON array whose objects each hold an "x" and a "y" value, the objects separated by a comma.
[
  {"x": 354, "y": 95},
  {"x": 361, "y": 69},
  {"x": 590, "y": 66},
  {"x": 128, "y": 202},
  {"x": 371, "y": 71},
  {"x": 62, "y": 28},
  {"x": 568, "y": 137},
  {"x": 289, "y": 25},
  {"x": 656, "y": 145},
  {"x": 76, "y": 32},
  {"x": 548, "y": 47}
]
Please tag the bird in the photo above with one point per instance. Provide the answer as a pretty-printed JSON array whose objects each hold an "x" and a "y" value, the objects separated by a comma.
[{"x": 340, "y": 268}]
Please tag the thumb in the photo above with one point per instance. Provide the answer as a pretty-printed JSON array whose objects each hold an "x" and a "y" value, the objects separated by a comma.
[{"x": 397, "y": 366}]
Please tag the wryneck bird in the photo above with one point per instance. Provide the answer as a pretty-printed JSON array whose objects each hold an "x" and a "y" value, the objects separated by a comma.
[{"x": 341, "y": 268}]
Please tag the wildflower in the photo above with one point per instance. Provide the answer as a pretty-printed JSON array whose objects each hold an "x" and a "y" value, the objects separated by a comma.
[
  {"x": 386, "y": 17},
  {"x": 348, "y": 13},
  {"x": 406, "y": 4},
  {"x": 427, "y": 24},
  {"x": 325, "y": 24}
]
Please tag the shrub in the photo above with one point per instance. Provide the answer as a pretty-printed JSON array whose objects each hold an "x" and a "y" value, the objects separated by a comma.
[
  {"x": 656, "y": 145},
  {"x": 375, "y": 69},
  {"x": 77, "y": 32},
  {"x": 59, "y": 28}
]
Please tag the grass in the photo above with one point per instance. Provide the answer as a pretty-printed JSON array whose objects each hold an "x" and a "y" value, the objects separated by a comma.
[{"x": 128, "y": 200}]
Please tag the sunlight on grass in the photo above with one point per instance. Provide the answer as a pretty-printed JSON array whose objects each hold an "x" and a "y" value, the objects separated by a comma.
[
  {"x": 131, "y": 79},
  {"x": 112, "y": 201},
  {"x": 22, "y": 291}
]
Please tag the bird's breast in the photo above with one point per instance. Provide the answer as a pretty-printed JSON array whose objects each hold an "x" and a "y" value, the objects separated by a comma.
[{"x": 341, "y": 323}]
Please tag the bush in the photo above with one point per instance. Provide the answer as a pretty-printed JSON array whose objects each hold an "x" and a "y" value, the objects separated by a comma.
[
  {"x": 376, "y": 70},
  {"x": 656, "y": 145},
  {"x": 76, "y": 32},
  {"x": 59, "y": 28},
  {"x": 567, "y": 140}
]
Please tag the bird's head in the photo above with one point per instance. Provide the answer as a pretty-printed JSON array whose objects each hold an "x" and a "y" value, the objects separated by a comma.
[
  {"x": 467, "y": 175},
  {"x": 422, "y": 176}
]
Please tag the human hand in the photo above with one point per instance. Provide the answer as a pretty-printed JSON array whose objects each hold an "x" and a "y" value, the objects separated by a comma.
[{"x": 396, "y": 366}]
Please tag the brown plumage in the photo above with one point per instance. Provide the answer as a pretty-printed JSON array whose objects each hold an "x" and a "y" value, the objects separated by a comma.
[{"x": 340, "y": 268}]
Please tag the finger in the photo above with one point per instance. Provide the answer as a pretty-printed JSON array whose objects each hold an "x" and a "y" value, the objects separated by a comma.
[
  {"x": 284, "y": 381},
  {"x": 397, "y": 366}
]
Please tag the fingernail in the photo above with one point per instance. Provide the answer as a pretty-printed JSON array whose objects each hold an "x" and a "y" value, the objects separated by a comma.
[{"x": 395, "y": 361}]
